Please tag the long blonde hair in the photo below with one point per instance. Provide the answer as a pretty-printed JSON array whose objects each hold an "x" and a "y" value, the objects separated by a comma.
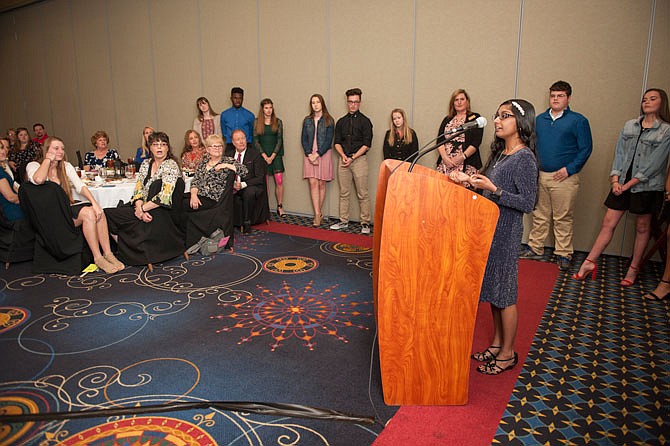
[
  {"x": 406, "y": 131},
  {"x": 144, "y": 146},
  {"x": 60, "y": 166}
]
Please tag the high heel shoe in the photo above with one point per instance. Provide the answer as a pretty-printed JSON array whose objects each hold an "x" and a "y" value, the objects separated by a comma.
[
  {"x": 318, "y": 219},
  {"x": 280, "y": 211},
  {"x": 593, "y": 271},
  {"x": 625, "y": 282},
  {"x": 653, "y": 296}
]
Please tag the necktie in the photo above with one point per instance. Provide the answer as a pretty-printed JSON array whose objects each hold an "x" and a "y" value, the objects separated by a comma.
[{"x": 239, "y": 160}]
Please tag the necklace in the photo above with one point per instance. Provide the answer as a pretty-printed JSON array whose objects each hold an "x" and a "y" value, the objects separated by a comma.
[{"x": 503, "y": 156}]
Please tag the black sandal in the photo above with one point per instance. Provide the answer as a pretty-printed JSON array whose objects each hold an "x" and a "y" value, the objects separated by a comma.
[
  {"x": 653, "y": 296},
  {"x": 280, "y": 211},
  {"x": 492, "y": 367},
  {"x": 486, "y": 355}
]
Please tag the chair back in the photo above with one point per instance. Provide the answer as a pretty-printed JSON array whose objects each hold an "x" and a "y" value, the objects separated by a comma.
[
  {"x": 79, "y": 160},
  {"x": 60, "y": 246}
]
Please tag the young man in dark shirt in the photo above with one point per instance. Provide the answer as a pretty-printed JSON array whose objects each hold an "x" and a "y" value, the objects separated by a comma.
[{"x": 353, "y": 138}]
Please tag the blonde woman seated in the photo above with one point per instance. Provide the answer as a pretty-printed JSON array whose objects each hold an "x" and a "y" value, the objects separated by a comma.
[
  {"x": 52, "y": 166},
  {"x": 211, "y": 185}
]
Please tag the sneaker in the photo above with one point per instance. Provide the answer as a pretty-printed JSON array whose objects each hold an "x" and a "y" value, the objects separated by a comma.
[
  {"x": 339, "y": 225},
  {"x": 365, "y": 228},
  {"x": 529, "y": 254},
  {"x": 563, "y": 263}
]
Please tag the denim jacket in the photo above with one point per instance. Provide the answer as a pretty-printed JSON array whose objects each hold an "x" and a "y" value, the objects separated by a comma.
[
  {"x": 324, "y": 136},
  {"x": 651, "y": 156}
]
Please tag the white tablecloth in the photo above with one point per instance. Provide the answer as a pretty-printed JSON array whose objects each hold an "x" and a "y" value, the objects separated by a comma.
[{"x": 109, "y": 194}]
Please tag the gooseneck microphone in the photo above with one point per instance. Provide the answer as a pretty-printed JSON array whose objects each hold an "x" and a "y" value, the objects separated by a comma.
[
  {"x": 449, "y": 134},
  {"x": 478, "y": 123}
]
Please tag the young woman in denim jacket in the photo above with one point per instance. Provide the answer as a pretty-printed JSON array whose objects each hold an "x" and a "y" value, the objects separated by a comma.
[
  {"x": 317, "y": 145},
  {"x": 638, "y": 178}
]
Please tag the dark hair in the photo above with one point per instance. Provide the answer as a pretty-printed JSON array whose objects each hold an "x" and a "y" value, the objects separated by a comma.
[
  {"x": 197, "y": 106},
  {"x": 663, "y": 111},
  {"x": 36, "y": 124},
  {"x": 160, "y": 137},
  {"x": 259, "y": 125},
  {"x": 17, "y": 146},
  {"x": 354, "y": 92},
  {"x": 524, "y": 113},
  {"x": 236, "y": 90},
  {"x": 187, "y": 145},
  {"x": 561, "y": 86},
  {"x": 327, "y": 118}
]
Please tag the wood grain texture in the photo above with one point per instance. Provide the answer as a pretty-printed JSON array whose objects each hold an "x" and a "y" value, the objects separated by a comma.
[{"x": 431, "y": 248}]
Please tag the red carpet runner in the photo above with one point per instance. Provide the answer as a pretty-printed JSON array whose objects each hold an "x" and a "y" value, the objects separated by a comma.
[{"x": 476, "y": 422}]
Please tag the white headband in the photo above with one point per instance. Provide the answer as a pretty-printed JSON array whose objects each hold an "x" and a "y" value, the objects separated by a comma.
[{"x": 518, "y": 107}]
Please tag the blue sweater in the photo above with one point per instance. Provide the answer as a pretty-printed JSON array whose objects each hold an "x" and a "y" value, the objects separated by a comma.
[{"x": 565, "y": 142}]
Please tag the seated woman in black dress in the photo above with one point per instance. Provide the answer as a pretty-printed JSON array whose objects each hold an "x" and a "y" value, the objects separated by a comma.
[
  {"x": 213, "y": 180},
  {"x": 9, "y": 200},
  {"x": 156, "y": 181},
  {"x": 51, "y": 165}
]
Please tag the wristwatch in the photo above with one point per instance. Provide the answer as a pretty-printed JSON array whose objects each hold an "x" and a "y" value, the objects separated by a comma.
[{"x": 497, "y": 192}]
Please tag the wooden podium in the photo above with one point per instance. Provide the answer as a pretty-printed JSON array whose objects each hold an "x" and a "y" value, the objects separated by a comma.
[{"x": 431, "y": 243}]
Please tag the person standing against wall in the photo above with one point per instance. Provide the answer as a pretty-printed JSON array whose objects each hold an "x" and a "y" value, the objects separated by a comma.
[
  {"x": 237, "y": 117},
  {"x": 564, "y": 145},
  {"x": 353, "y": 138}
]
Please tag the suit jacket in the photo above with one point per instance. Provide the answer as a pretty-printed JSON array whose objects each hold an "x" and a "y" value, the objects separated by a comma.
[{"x": 256, "y": 165}]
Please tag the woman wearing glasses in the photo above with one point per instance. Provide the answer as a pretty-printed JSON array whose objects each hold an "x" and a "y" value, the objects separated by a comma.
[
  {"x": 637, "y": 178},
  {"x": 212, "y": 185},
  {"x": 154, "y": 192},
  {"x": 462, "y": 152},
  {"x": 510, "y": 180}
]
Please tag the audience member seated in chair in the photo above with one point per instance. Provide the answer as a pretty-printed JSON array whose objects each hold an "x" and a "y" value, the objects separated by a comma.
[
  {"x": 51, "y": 167},
  {"x": 211, "y": 199},
  {"x": 16, "y": 236},
  {"x": 251, "y": 196},
  {"x": 150, "y": 227}
]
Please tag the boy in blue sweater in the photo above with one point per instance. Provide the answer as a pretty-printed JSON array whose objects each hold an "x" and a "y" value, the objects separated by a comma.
[{"x": 563, "y": 146}]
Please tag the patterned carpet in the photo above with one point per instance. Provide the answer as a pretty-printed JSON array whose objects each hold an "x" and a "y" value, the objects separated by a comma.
[
  {"x": 299, "y": 220},
  {"x": 275, "y": 322},
  {"x": 598, "y": 371}
]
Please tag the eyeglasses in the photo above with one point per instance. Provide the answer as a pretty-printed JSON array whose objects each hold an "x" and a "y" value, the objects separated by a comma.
[
  {"x": 159, "y": 144},
  {"x": 503, "y": 116},
  {"x": 216, "y": 146},
  {"x": 353, "y": 102},
  {"x": 558, "y": 96}
]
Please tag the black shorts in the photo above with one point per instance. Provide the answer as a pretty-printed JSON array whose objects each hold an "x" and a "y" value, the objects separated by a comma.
[{"x": 640, "y": 203}]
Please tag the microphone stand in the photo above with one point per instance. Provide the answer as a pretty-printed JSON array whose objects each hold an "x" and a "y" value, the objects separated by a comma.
[{"x": 423, "y": 152}]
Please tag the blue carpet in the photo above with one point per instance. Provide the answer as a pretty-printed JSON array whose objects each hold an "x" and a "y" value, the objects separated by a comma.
[
  {"x": 598, "y": 369},
  {"x": 282, "y": 319}
]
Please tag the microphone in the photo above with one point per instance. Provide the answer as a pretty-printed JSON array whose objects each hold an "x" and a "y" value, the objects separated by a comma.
[{"x": 477, "y": 123}]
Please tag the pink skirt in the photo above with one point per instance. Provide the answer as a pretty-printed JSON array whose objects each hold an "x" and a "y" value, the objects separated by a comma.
[{"x": 322, "y": 171}]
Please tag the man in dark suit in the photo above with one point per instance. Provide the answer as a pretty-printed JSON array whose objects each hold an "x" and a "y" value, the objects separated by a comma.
[{"x": 251, "y": 189}]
